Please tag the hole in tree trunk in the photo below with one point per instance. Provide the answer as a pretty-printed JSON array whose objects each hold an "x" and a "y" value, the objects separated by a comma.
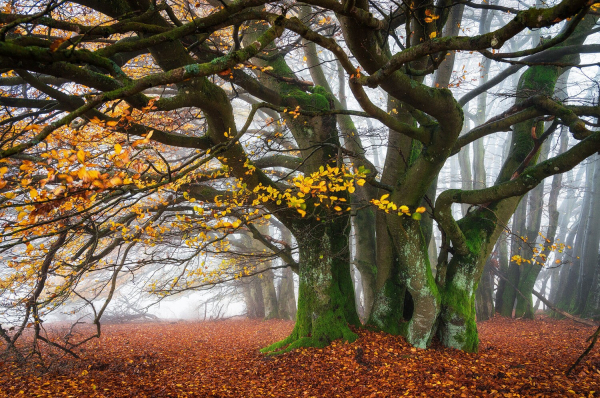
[{"x": 409, "y": 306}]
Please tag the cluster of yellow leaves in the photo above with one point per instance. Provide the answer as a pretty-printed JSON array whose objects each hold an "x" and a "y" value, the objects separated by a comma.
[
  {"x": 519, "y": 260},
  {"x": 322, "y": 185},
  {"x": 295, "y": 113},
  {"x": 539, "y": 255},
  {"x": 384, "y": 204},
  {"x": 357, "y": 75}
]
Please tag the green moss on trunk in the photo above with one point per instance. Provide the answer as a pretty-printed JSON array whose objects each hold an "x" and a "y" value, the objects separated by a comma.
[
  {"x": 387, "y": 314},
  {"x": 457, "y": 327},
  {"x": 326, "y": 293}
]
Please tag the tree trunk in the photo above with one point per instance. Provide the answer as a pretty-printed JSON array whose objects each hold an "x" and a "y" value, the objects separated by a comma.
[
  {"x": 545, "y": 277},
  {"x": 253, "y": 298},
  {"x": 484, "y": 301},
  {"x": 568, "y": 299},
  {"x": 364, "y": 220},
  {"x": 457, "y": 327},
  {"x": 287, "y": 297},
  {"x": 566, "y": 272},
  {"x": 326, "y": 296},
  {"x": 503, "y": 266},
  {"x": 509, "y": 294},
  {"x": 269, "y": 294},
  {"x": 591, "y": 278},
  {"x": 530, "y": 271},
  {"x": 365, "y": 260}
]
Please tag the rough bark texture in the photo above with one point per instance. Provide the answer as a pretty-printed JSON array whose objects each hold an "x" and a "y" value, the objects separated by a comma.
[{"x": 326, "y": 293}]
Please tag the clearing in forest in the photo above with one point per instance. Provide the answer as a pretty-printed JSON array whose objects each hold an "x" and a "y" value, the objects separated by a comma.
[{"x": 516, "y": 358}]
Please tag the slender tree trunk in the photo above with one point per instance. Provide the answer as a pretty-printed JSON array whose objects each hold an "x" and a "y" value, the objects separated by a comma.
[
  {"x": 545, "y": 277},
  {"x": 484, "y": 302},
  {"x": 568, "y": 300},
  {"x": 591, "y": 279},
  {"x": 464, "y": 162},
  {"x": 503, "y": 267},
  {"x": 566, "y": 270},
  {"x": 253, "y": 298},
  {"x": 509, "y": 294},
  {"x": 287, "y": 298},
  {"x": 530, "y": 271},
  {"x": 269, "y": 294}
]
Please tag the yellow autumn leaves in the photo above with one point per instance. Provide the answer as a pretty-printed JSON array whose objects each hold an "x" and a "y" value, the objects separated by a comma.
[
  {"x": 328, "y": 187},
  {"x": 323, "y": 185},
  {"x": 538, "y": 254},
  {"x": 384, "y": 204},
  {"x": 429, "y": 18}
]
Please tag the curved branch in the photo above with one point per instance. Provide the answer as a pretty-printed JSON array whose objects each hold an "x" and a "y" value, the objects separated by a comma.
[
  {"x": 531, "y": 18},
  {"x": 525, "y": 182}
]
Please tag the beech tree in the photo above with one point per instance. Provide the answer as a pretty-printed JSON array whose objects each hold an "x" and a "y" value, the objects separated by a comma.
[{"x": 134, "y": 128}]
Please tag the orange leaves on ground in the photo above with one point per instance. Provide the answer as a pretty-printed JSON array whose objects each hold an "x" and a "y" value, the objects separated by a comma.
[{"x": 517, "y": 358}]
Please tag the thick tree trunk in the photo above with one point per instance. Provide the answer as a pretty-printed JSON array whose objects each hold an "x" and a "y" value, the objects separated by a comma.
[
  {"x": 388, "y": 307},
  {"x": 387, "y": 313},
  {"x": 457, "y": 326},
  {"x": 358, "y": 292},
  {"x": 364, "y": 220},
  {"x": 326, "y": 295},
  {"x": 415, "y": 270},
  {"x": 365, "y": 260}
]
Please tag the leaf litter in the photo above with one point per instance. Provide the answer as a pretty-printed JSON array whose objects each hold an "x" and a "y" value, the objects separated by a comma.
[{"x": 516, "y": 358}]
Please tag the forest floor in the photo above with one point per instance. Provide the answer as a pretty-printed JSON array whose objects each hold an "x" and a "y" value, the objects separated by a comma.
[{"x": 517, "y": 358}]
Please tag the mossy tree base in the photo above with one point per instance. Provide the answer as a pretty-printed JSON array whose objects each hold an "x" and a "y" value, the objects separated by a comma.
[
  {"x": 459, "y": 330},
  {"x": 457, "y": 326},
  {"x": 388, "y": 309},
  {"x": 323, "y": 337},
  {"x": 326, "y": 293}
]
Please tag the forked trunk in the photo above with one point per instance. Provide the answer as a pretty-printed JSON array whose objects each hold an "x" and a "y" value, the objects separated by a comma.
[{"x": 408, "y": 303}]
